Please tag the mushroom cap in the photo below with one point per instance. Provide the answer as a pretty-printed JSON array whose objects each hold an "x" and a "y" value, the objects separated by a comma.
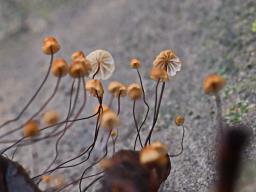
[
  {"x": 102, "y": 63},
  {"x": 80, "y": 68},
  {"x": 117, "y": 89},
  {"x": 109, "y": 120},
  {"x": 134, "y": 91},
  {"x": 59, "y": 67},
  {"x": 154, "y": 153},
  {"x": 135, "y": 63},
  {"x": 179, "y": 120},
  {"x": 51, "y": 117},
  {"x": 50, "y": 45},
  {"x": 94, "y": 87},
  {"x": 213, "y": 83},
  {"x": 31, "y": 129},
  {"x": 158, "y": 74},
  {"x": 168, "y": 61},
  {"x": 78, "y": 55}
]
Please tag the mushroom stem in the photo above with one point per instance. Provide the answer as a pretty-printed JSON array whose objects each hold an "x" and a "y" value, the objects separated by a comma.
[
  {"x": 92, "y": 165},
  {"x": 59, "y": 138},
  {"x": 156, "y": 113},
  {"x": 36, "y": 113},
  {"x": 181, "y": 144},
  {"x": 145, "y": 102},
  {"x": 33, "y": 97},
  {"x": 118, "y": 104},
  {"x": 136, "y": 125}
]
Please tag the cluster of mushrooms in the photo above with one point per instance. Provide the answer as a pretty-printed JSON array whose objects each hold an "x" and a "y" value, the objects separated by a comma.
[{"x": 150, "y": 163}]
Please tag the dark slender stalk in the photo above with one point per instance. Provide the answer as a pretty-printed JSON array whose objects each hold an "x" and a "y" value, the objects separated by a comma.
[
  {"x": 118, "y": 104},
  {"x": 98, "y": 69},
  {"x": 147, "y": 105},
  {"x": 100, "y": 110},
  {"x": 32, "y": 98},
  {"x": 182, "y": 140},
  {"x": 136, "y": 124},
  {"x": 156, "y": 115},
  {"x": 36, "y": 113},
  {"x": 94, "y": 181},
  {"x": 59, "y": 138},
  {"x": 92, "y": 165}
]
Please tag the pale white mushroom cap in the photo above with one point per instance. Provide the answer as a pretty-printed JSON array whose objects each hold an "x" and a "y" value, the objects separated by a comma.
[{"x": 104, "y": 60}]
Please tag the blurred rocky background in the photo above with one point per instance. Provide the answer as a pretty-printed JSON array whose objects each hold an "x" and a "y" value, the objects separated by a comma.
[{"x": 208, "y": 35}]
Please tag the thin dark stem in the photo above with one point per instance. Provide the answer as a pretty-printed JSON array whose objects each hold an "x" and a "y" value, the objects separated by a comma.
[
  {"x": 36, "y": 113},
  {"x": 182, "y": 140},
  {"x": 94, "y": 181},
  {"x": 156, "y": 115},
  {"x": 118, "y": 104},
  {"x": 32, "y": 98},
  {"x": 136, "y": 124},
  {"x": 147, "y": 105},
  {"x": 92, "y": 165},
  {"x": 59, "y": 138},
  {"x": 98, "y": 69},
  {"x": 56, "y": 124},
  {"x": 100, "y": 110}
]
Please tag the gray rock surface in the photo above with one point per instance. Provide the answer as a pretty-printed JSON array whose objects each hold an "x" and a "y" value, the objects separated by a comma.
[{"x": 208, "y": 36}]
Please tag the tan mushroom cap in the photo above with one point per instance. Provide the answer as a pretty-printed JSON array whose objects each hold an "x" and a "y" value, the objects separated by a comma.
[
  {"x": 31, "y": 129},
  {"x": 78, "y": 56},
  {"x": 213, "y": 84},
  {"x": 117, "y": 89},
  {"x": 135, "y": 63},
  {"x": 179, "y": 120},
  {"x": 59, "y": 67},
  {"x": 50, "y": 45},
  {"x": 80, "y": 68},
  {"x": 103, "y": 65},
  {"x": 154, "y": 153},
  {"x": 51, "y": 117},
  {"x": 158, "y": 74},
  {"x": 168, "y": 61},
  {"x": 109, "y": 120},
  {"x": 94, "y": 87},
  {"x": 134, "y": 91}
]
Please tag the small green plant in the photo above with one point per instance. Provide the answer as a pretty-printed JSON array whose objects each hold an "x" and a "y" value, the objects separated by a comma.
[{"x": 237, "y": 112}]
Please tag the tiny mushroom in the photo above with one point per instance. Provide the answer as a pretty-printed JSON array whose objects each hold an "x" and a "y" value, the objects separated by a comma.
[
  {"x": 59, "y": 67},
  {"x": 213, "y": 84},
  {"x": 158, "y": 74},
  {"x": 31, "y": 129},
  {"x": 102, "y": 63},
  {"x": 134, "y": 91},
  {"x": 168, "y": 61},
  {"x": 51, "y": 117},
  {"x": 50, "y": 45},
  {"x": 135, "y": 63},
  {"x": 179, "y": 120},
  {"x": 94, "y": 87},
  {"x": 117, "y": 89}
]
